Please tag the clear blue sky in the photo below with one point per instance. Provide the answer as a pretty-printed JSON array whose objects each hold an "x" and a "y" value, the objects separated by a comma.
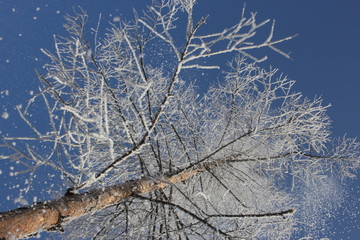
[{"x": 326, "y": 58}]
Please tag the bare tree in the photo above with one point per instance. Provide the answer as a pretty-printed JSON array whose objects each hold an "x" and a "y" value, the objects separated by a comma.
[{"x": 144, "y": 156}]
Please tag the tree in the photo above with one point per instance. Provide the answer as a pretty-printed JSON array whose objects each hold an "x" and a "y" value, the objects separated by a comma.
[{"x": 134, "y": 142}]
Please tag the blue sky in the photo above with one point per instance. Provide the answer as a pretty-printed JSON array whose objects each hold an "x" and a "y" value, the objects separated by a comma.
[{"x": 325, "y": 57}]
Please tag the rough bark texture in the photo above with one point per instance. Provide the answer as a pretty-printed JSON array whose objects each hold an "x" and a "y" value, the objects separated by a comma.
[{"x": 43, "y": 216}]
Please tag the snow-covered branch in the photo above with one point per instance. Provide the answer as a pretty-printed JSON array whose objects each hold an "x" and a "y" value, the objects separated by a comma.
[{"x": 132, "y": 140}]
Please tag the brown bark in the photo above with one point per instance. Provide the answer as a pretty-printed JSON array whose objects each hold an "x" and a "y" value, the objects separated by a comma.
[{"x": 22, "y": 222}]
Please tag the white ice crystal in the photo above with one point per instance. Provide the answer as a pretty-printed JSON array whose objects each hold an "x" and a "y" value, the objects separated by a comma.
[
  {"x": 5, "y": 115},
  {"x": 116, "y": 19},
  {"x": 21, "y": 200}
]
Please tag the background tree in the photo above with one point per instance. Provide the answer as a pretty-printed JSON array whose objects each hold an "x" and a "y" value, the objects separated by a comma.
[{"x": 135, "y": 143}]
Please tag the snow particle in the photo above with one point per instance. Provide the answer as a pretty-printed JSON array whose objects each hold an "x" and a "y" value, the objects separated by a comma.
[
  {"x": 5, "y": 115},
  {"x": 21, "y": 200},
  {"x": 58, "y": 11},
  {"x": 116, "y": 19},
  {"x": 37, "y": 9},
  {"x": 13, "y": 9},
  {"x": 31, "y": 93},
  {"x": 1, "y": 38}
]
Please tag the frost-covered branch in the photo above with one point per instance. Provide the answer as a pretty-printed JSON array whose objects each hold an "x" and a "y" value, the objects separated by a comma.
[{"x": 129, "y": 138}]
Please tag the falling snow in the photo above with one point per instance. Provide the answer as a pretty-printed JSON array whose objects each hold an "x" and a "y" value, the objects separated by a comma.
[
  {"x": 5, "y": 115},
  {"x": 116, "y": 19},
  {"x": 21, "y": 200}
]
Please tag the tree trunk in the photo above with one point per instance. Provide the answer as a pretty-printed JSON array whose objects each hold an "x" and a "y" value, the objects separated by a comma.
[{"x": 25, "y": 221}]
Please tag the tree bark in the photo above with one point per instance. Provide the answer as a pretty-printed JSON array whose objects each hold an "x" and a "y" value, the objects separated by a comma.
[{"x": 25, "y": 221}]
